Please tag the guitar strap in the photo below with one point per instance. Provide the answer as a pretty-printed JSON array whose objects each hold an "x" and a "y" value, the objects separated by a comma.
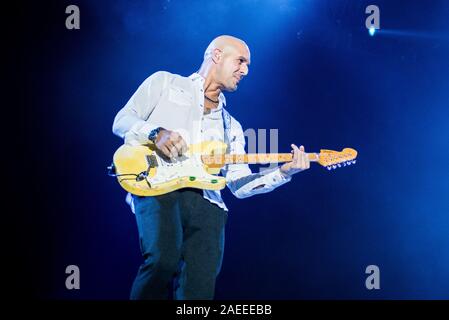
[
  {"x": 227, "y": 129},
  {"x": 228, "y": 139}
]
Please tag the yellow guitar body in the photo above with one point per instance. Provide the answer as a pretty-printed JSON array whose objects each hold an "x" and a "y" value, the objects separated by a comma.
[{"x": 143, "y": 171}]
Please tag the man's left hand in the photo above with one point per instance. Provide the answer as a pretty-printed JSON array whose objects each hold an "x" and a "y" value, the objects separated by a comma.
[{"x": 299, "y": 163}]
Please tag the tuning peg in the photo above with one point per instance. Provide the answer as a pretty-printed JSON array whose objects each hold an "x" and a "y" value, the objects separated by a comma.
[
  {"x": 338, "y": 165},
  {"x": 329, "y": 168},
  {"x": 344, "y": 164},
  {"x": 334, "y": 166}
]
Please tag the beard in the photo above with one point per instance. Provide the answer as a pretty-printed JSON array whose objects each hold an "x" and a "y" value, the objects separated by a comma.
[{"x": 232, "y": 85}]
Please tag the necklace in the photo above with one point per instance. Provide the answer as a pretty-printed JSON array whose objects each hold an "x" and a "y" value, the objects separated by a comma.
[{"x": 210, "y": 99}]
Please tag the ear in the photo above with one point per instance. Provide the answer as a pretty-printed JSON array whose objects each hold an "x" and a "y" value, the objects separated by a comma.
[{"x": 216, "y": 55}]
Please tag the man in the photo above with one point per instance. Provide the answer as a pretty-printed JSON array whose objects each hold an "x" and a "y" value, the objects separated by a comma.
[{"x": 182, "y": 233}]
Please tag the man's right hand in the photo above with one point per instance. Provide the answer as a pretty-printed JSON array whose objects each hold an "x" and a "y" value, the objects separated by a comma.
[{"x": 170, "y": 143}]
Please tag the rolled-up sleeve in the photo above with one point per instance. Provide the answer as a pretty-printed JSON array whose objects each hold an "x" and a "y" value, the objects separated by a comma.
[
  {"x": 130, "y": 122},
  {"x": 239, "y": 178}
]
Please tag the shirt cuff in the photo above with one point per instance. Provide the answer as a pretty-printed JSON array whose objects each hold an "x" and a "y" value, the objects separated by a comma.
[
  {"x": 276, "y": 178},
  {"x": 143, "y": 130}
]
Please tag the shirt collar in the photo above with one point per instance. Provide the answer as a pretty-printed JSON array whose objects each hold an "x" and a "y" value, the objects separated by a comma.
[{"x": 197, "y": 77}]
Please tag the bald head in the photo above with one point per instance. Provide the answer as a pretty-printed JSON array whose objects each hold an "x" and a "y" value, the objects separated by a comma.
[
  {"x": 225, "y": 43},
  {"x": 228, "y": 59}
]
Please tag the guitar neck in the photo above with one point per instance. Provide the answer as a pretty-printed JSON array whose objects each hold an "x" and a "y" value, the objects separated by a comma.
[{"x": 254, "y": 158}]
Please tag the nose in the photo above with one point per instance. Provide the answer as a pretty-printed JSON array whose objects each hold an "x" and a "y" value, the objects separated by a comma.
[{"x": 244, "y": 69}]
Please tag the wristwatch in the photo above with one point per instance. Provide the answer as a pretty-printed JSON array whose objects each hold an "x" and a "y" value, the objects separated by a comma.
[{"x": 153, "y": 134}]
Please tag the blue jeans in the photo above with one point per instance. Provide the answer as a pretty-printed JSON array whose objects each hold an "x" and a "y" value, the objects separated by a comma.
[{"x": 182, "y": 241}]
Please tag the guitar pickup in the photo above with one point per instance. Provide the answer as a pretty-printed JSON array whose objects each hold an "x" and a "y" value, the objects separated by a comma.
[{"x": 151, "y": 161}]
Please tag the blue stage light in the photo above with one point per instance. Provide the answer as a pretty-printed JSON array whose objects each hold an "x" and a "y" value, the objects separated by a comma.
[{"x": 372, "y": 31}]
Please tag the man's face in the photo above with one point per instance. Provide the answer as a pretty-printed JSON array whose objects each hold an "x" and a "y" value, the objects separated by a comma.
[{"x": 232, "y": 66}]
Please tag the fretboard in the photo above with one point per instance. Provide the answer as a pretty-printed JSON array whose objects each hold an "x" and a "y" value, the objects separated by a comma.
[{"x": 253, "y": 158}]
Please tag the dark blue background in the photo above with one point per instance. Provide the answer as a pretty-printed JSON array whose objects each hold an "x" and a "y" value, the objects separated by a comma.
[{"x": 316, "y": 75}]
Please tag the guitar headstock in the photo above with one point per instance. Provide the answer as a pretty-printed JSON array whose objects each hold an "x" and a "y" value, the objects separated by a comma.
[{"x": 336, "y": 159}]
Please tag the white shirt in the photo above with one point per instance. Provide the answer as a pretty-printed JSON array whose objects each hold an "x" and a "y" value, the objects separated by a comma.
[{"x": 177, "y": 103}]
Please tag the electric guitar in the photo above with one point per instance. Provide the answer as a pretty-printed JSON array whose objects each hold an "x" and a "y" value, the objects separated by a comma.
[{"x": 142, "y": 170}]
